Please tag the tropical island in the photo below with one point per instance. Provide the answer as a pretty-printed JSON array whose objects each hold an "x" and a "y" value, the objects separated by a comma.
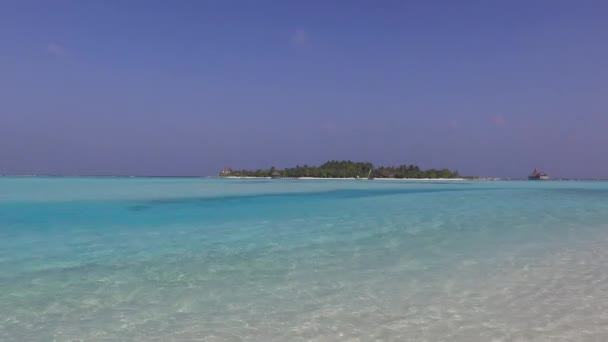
[{"x": 345, "y": 169}]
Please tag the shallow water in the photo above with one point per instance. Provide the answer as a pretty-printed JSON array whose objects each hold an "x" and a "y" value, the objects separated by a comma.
[{"x": 171, "y": 259}]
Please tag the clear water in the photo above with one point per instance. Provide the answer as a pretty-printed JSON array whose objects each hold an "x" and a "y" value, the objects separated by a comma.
[{"x": 135, "y": 259}]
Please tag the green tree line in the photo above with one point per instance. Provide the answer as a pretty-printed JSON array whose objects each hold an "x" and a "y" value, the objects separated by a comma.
[{"x": 347, "y": 169}]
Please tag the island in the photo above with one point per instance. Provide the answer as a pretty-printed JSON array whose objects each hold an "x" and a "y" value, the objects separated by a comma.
[{"x": 346, "y": 169}]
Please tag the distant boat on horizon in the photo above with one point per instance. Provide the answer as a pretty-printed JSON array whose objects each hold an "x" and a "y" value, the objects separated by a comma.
[
  {"x": 369, "y": 175},
  {"x": 538, "y": 175}
]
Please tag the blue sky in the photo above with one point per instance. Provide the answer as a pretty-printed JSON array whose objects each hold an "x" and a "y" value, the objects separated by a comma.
[{"x": 490, "y": 88}]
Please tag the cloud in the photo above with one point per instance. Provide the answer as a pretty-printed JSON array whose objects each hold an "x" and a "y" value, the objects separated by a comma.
[
  {"x": 55, "y": 49},
  {"x": 299, "y": 38},
  {"x": 498, "y": 120},
  {"x": 328, "y": 126}
]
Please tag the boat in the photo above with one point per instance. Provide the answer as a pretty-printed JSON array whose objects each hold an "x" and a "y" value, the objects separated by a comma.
[
  {"x": 369, "y": 176},
  {"x": 538, "y": 175}
]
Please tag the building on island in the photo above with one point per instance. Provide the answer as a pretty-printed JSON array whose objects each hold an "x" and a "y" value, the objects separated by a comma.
[
  {"x": 226, "y": 172},
  {"x": 538, "y": 175},
  {"x": 275, "y": 175}
]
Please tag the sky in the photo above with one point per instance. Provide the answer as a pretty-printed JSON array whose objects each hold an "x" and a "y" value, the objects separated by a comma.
[{"x": 488, "y": 88}]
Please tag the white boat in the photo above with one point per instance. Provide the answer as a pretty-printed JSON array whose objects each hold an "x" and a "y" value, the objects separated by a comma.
[
  {"x": 538, "y": 175},
  {"x": 369, "y": 176}
]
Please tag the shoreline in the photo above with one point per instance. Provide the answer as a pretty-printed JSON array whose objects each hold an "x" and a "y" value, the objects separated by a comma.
[{"x": 349, "y": 178}]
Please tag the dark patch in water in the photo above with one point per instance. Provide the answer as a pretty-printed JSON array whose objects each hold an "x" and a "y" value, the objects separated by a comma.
[
  {"x": 291, "y": 196},
  {"x": 139, "y": 207},
  {"x": 253, "y": 182}
]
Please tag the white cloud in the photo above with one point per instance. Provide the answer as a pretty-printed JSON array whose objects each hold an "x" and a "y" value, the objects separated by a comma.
[
  {"x": 299, "y": 38},
  {"x": 56, "y": 49},
  {"x": 498, "y": 120}
]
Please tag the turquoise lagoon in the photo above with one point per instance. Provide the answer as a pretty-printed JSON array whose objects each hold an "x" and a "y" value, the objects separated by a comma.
[{"x": 188, "y": 259}]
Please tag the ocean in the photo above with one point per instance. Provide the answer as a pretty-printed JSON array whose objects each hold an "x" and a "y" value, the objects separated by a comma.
[{"x": 195, "y": 259}]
